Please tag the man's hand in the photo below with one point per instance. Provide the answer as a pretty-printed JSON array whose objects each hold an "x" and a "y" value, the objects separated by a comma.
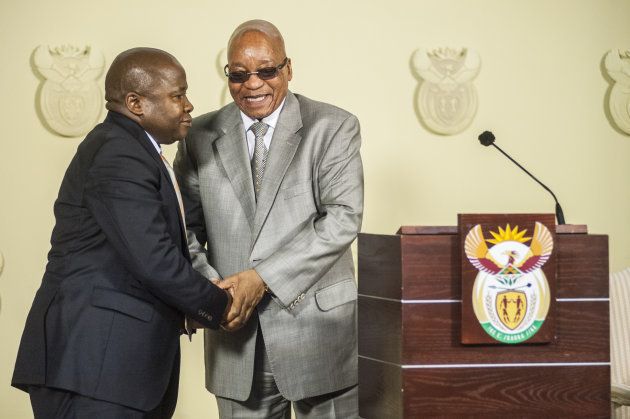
[
  {"x": 228, "y": 306},
  {"x": 247, "y": 289}
]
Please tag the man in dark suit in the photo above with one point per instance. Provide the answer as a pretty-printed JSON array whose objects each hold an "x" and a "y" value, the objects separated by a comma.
[{"x": 102, "y": 336}]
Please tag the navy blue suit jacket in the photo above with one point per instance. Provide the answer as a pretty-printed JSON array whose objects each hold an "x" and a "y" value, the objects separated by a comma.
[{"x": 106, "y": 321}]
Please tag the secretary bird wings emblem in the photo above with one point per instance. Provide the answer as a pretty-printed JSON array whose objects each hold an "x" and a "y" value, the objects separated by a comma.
[{"x": 521, "y": 259}]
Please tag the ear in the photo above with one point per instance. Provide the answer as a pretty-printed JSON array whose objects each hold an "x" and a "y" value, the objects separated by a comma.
[
  {"x": 289, "y": 70},
  {"x": 133, "y": 102}
]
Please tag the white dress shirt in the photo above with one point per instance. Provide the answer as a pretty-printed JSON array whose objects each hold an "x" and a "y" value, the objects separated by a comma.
[
  {"x": 155, "y": 144},
  {"x": 270, "y": 120}
]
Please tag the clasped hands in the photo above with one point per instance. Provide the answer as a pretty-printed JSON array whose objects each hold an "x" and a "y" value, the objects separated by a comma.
[{"x": 247, "y": 289}]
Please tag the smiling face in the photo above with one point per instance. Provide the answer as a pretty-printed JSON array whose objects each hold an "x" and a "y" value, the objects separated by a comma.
[
  {"x": 251, "y": 51},
  {"x": 165, "y": 107}
]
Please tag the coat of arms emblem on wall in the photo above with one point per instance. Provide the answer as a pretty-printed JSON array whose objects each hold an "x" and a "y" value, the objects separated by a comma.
[
  {"x": 446, "y": 100},
  {"x": 617, "y": 63},
  {"x": 510, "y": 295},
  {"x": 70, "y": 100}
]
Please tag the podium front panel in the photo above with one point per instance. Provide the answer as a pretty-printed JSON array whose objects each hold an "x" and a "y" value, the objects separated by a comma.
[{"x": 411, "y": 360}]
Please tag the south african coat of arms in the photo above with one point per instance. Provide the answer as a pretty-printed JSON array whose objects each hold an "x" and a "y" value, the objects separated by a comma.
[{"x": 510, "y": 295}]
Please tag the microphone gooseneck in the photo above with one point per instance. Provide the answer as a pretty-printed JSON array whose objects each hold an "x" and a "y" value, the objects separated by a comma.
[{"x": 487, "y": 138}]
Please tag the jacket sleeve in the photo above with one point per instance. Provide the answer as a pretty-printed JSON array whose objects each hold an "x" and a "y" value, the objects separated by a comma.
[
  {"x": 123, "y": 194},
  {"x": 301, "y": 262}
]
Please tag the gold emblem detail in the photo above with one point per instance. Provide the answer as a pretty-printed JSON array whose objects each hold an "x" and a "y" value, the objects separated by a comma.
[{"x": 511, "y": 308}]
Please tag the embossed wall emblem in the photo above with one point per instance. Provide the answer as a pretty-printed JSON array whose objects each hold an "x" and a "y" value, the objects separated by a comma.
[
  {"x": 447, "y": 99},
  {"x": 70, "y": 100},
  {"x": 617, "y": 63}
]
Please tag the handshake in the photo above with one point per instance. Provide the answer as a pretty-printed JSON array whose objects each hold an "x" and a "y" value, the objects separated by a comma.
[{"x": 245, "y": 290}]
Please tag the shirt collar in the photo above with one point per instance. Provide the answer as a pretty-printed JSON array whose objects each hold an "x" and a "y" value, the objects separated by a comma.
[
  {"x": 155, "y": 144},
  {"x": 270, "y": 120}
]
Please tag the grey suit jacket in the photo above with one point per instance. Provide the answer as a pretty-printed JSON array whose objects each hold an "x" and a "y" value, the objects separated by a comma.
[{"x": 297, "y": 237}]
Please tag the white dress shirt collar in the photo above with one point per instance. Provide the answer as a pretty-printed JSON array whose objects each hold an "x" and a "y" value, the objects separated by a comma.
[
  {"x": 155, "y": 144},
  {"x": 270, "y": 120}
]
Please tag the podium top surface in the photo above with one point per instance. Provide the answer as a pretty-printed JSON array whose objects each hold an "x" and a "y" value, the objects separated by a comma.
[{"x": 433, "y": 230}]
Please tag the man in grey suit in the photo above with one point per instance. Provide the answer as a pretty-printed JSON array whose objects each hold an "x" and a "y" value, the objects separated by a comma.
[{"x": 273, "y": 190}]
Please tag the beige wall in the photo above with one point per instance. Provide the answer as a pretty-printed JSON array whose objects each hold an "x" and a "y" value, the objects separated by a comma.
[{"x": 541, "y": 90}]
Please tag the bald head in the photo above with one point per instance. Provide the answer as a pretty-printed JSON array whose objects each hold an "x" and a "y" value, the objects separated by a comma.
[
  {"x": 256, "y": 53},
  {"x": 263, "y": 27},
  {"x": 137, "y": 70},
  {"x": 149, "y": 87}
]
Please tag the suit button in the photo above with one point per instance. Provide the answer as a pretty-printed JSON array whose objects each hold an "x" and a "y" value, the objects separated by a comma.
[{"x": 209, "y": 317}]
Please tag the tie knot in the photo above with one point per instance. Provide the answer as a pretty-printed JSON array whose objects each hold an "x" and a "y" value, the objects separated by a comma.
[{"x": 259, "y": 129}]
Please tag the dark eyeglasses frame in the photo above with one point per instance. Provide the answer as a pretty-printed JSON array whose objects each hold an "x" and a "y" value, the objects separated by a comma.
[{"x": 266, "y": 73}]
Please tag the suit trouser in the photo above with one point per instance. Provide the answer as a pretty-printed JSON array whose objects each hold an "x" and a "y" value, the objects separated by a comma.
[
  {"x": 266, "y": 402},
  {"x": 50, "y": 403}
]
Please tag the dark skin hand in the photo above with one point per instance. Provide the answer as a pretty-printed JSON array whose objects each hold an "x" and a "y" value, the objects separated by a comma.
[
  {"x": 228, "y": 306},
  {"x": 247, "y": 289}
]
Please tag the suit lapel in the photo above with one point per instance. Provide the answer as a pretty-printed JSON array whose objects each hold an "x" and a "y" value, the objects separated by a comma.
[
  {"x": 140, "y": 135},
  {"x": 284, "y": 144},
  {"x": 234, "y": 157},
  {"x": 146, "y": 143}
]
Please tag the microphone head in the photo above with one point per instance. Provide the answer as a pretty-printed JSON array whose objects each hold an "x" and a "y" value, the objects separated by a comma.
[{"x": 486, "y": 138}]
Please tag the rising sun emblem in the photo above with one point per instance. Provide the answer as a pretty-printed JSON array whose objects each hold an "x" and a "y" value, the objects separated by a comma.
[{"x": 510, "y": 294}]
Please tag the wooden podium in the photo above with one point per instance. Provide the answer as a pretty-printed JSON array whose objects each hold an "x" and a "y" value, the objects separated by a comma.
[{"x": 412, "y": 363}]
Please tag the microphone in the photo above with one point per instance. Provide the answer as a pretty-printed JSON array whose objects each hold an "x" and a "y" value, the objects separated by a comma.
[{"x": 487, "y": 138}]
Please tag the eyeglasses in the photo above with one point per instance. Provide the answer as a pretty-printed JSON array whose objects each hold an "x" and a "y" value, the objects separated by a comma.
[{"x": 266, "y": 73}]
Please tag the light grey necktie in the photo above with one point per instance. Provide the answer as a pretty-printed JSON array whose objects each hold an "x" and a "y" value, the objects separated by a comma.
[{"x": 260, "y": 154}]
